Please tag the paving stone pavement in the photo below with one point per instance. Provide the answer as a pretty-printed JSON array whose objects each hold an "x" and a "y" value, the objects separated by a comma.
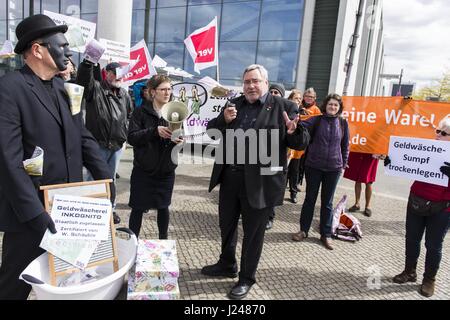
[{"x": 287, "y": 270}]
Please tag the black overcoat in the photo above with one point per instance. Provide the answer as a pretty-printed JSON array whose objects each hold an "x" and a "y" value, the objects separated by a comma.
[
  {"x": 29, "y": 118},
  {"x": 263, "y": 190}
]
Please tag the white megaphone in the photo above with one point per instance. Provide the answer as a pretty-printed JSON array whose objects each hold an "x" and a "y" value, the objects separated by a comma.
[{"x": 174, "y": 112}]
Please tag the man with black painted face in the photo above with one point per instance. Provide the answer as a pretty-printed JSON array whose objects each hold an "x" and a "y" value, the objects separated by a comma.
[{"x": 35, "y": 112}]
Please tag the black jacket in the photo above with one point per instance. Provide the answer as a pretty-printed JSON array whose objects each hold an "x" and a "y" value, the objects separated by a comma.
[
  {"x": 29, "y": 118},
  {"x": 263, "y": 191},
  {"x": 106, "y": 113},
  {"x": 151, "y": 152}
]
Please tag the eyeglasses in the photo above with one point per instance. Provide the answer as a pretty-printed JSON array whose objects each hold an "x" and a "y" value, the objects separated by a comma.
[
  {"x": 275, "y": 92},
  {"x": 252, "y": 81},
  {"x": 165, "y": 89},
  {"x": 442, "y": 133}
]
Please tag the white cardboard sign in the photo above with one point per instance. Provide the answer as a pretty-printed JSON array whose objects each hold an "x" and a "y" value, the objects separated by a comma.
[
  {"x": 81, "y": 217},
  {"x": 86, "y": 28},
  {"x": 115, "y": 51},
  {"x": 418, "y": 159}
]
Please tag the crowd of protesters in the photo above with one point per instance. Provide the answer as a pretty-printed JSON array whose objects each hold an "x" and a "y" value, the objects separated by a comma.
[{"x": 312, "y": 142}]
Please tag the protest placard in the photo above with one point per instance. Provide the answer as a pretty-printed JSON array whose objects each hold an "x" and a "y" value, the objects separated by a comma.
[
  {"x": 418, "y": 159},
  {"x": 115, "y": 51},
  {"x": 76, "y": 27},
  {"x": 81, "y": 217}
]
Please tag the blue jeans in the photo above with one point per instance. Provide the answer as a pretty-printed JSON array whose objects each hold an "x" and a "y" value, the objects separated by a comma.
[
  {"x": 435, "y": 228},
  {"x": 329, "y": 180},
  {"x": 112, "y": 158}
]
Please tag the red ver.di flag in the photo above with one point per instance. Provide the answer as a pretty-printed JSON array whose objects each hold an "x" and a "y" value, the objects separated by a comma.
[
  {"x": 140, "y": 66},
  {"x": 202, "y": 45}
]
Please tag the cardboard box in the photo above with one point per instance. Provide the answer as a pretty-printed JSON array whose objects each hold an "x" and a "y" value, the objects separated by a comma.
[
  {"x": 155, "y": 274},
  {"x": 154, "y": 289},
  {"x": 156, "y": 259}
]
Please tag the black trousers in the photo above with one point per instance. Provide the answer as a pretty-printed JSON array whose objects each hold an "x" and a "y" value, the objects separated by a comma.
[
  {"x": 233, "y": 202},
  {"x": 162, "y": 219},
  {"x": 293, "y": 173},
  {"x": 19, "y": 249}
]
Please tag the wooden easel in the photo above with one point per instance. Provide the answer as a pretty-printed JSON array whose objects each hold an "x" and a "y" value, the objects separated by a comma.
[{"x": 107, "y": 250}]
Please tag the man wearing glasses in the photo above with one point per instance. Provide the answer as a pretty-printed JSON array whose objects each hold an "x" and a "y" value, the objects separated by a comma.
[
  {"x": 249, "y": 188},
  {"x": 35, "y": 114},
  {"x": 108, "y": 108}
]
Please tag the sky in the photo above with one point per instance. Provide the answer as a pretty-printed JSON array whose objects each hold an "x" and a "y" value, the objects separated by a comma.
[{"x": 417, "y": 39}]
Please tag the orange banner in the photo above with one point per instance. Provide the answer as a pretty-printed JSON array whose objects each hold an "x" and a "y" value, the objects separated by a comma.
[{"x": 372, "y": 120}]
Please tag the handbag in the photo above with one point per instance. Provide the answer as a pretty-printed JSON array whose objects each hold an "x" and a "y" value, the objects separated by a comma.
[{"x": 425, "y": 207}]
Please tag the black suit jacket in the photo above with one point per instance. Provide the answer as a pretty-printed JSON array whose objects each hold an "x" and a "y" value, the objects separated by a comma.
[
  {"x": 263, "y": 191},
  {"x": 29, "y": 118}
]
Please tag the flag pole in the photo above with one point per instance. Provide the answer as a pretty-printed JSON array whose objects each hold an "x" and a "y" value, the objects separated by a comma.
[
  {"x": 217, "y": 51},
  {"x": 217, "y": 70}
]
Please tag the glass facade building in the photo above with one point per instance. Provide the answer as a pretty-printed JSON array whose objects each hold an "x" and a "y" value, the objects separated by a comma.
[{"x": 267, "y": 32}]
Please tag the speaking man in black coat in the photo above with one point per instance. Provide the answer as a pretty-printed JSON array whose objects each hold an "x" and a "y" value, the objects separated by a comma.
[
  {"x": 255, "y": 130},
  {"x": 35, "y": 111}
]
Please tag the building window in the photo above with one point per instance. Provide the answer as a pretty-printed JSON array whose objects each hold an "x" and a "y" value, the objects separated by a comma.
[
  {"x": 137, "y": 26},
  {"x": 169, "y": 29},
  {"x": 194, "y": 2},
  {"x": 3, "y": 10},
  {"x": 89, "y": 6},
  {"x": 172, "y": 53},
  {"x": 280, "y": 59},
  {"x": 200, "y": 16},
  {"x": 71, "y": 8},
  {"x": 138, "y": 4},
  {"x": 281, "y": 20},
  {"x": 91, "y": 17},
  {"x": 171, "y": 3},
  {"x": 240, "y": 21},
  {"x": 15, "y": 10},
  {"x": 151, "y": 26},
  {"x": 50, "y": 5},
  {"x": 3, "y": 28},
  {"x": 234, "y": 57}
]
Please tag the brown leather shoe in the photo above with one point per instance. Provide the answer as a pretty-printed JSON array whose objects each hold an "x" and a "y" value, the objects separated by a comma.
[
  {"x": 405, "y": 276},
  {"x": 427, "y": 287},
  {"x": 299, "y": 236},
  {"x": 326, "y": 242}
]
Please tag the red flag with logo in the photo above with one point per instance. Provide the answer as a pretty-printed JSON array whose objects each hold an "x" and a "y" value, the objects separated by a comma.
[
  {"x": 202, "y": 45},
  {"x": 140, "y": 66}
]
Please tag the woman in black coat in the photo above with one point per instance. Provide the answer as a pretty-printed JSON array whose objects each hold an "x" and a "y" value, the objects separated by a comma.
[{"x": 153, "y": 173}]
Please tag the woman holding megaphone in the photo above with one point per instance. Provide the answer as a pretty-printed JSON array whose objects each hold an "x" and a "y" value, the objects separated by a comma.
[{"x": 153, "y": 175}]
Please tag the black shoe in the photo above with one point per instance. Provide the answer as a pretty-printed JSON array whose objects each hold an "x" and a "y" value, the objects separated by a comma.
[
  {"x": 117, "y": 176},
  {"x": 217, "y": 270},
  {"x": 239, "y": 291},
  {"x": 269, "y": 225},
  {"x": 293, "y": 197},
  {"x": 116, "y": 218}
]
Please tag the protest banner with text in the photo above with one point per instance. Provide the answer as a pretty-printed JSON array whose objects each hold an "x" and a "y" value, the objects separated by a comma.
[
  {"x": 372, "y": 120},
  {"x": 418, "y": 159}
]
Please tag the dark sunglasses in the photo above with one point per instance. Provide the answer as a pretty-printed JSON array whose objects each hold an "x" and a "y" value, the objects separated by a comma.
[{"x": 442, "y": 133}]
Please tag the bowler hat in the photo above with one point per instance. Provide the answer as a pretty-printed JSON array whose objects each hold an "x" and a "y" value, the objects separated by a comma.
[{"x": 34, "y": 27}]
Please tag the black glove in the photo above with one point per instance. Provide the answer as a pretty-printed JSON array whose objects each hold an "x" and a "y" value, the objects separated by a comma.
[
  {"x": 112, "y": 190},
  {"x": 42, "y": 222},
  {"x": 446, "y": 169},
  {"x": 387, "y": 161}
]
